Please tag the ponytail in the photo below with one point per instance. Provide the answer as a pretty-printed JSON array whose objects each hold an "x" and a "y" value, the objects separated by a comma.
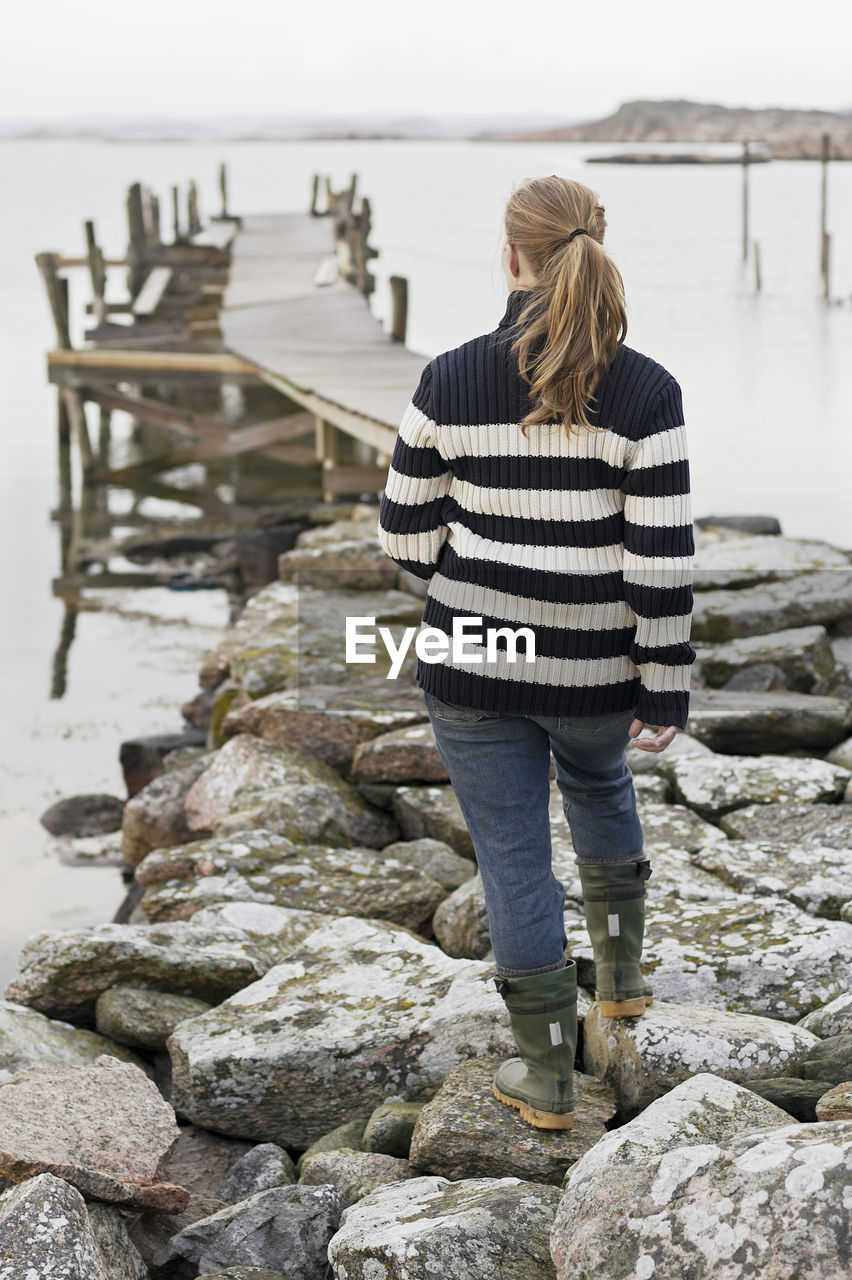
[{"x": 571, "y": 328}]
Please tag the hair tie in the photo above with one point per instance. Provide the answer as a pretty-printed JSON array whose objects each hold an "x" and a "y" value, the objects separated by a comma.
[{"x": 580, "y": 231}]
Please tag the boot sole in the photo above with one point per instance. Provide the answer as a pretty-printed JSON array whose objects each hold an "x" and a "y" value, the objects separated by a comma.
[
  {"x": 538, "y": 1119},
  {"x": 624, "y": 1008}
]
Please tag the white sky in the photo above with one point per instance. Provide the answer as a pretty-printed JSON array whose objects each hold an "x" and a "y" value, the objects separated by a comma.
[{"x": 572, "y": 58}]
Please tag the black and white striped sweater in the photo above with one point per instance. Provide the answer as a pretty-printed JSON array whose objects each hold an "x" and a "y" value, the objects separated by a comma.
[{"x": 585, "y": 539}]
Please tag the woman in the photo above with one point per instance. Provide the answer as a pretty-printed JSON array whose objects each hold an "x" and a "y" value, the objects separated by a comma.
[{"x": 540, "y": 481}]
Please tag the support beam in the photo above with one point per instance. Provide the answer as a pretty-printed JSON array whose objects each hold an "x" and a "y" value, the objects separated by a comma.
[
  {"x": 57, "y": 296},
  {"x": 155, "y": 363}
]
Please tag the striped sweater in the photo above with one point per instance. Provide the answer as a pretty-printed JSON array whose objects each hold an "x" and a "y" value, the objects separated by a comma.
[{"x": 587, "y": 540}]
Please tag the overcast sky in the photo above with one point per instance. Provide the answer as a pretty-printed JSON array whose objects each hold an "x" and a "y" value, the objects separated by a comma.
[{"x": 575, "y": 59}]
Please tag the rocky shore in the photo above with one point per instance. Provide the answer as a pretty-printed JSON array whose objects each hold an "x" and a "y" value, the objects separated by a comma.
[{"x": 278, "y": 1065}]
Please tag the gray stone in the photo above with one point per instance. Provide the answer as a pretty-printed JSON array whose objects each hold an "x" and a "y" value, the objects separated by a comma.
[
  {"x": 813, "y": 826},
  {"x": 260, "y": 866},
  {"x": 45, "y": 1231},
  {"x": 356, "y": 1174},
  {"x": 836, "y": 1103},
  {"x": 651, "y": 788},
  {"x": 767, "y": 1203},
  {"x": 841, "y": 754},
  {"x": 104, "y": 1128},
  {"x": 797, "y": 1098},
  {"x": 434, "y": 859},
  {"x": 140, "y": 1018},
  {"x": 815, "y": 878},
  {"x": 361, "y": 1012},
  {"x": 200, "y": 1161},
  {"x": 803, "y": 600},
  {"x": 750, "y": 723},
  {"x": 725, "y": 561},
  {"x": 389, "y": 1129},
  {"x": 286, "y": 1228},
  {"x": 29, "y": 1039},
  {"x": 275, "y": 930},
  {"x": 830, "y": 1019},
  {"x": 265, "y": 1166},
  {"x": 464, "y": 1132},
  {"x": 152, "y": 1233},
  {"x": 348, "y": 1136},
  {"x": 120, "y": 1258},
  {"x": 310, "y": 802},
  {"x": 643, "y": 1058},
  {"x": 244, "y": 1273},
  {"x": 433, "y": 812},
  {"x": 329, "y": 721},
  {"x": 155, "y": 818},
  {"x": 714, "y": 785},
  {"x": 668, "y": 827},
  {"x": 760, "y": 678},
  {"x": 461, "y": 922},
  {"x": 830, "y": 1059},
  {"x": 357, "y": 563},
  {"x": 62, "y": 974},
  {"x": 475, "y": 1229},
  {"x": 803, "y": 655},
  {"x": 403, "y": 755},
  {"x": 89, "y": 815}
]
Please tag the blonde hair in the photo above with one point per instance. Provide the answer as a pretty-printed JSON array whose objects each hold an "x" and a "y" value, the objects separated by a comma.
[{"x": 571, "y": 328}]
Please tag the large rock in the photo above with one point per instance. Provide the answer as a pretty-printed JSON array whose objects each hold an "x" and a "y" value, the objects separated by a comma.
[
  {"x": 725, "y": 561},
  {"x": 358, "y": 564},
  {"x": 259, "y": 866},
  {"x": 841, "y": 754},
  {"x": 464, "y": 1132},
  {"x": 642, "y": 1058},
  {"x": 461, "y": 922},
  {"x": 275, "y": 930},
  {"x": 329, "y": 721},
  {"x": 750, "y": 723},
  {"x": 388, "y": 1130},
  {"x": 830, "y": 1019},
  {"x": 119, "y": 1256},
  {"x": 836, "y": 1104},
  {"x": 765, "y": 956},
  {"x": 432, "y": 812},
  {"x": 802, "y": 654},
  {"x": 62, "y": 974},
  {"x": 310, "y": 802},
  {"x": 476, "y": 1229},
  {"x": 714, "y": 785},
  {"x": 88, "y": 815},
  {"x": 288, "y": 1228},
  {"x": 356, "y": 1174},
  {"x": 816, "y": 878},
  {"x": 403, "y": 755},
  {"x": 812, "y": 826},
  {"x": 45, "y": 1231},
  {"x": 29, "y": 1039},
  {"x": 155, "y": 817},
  {"x": 201, "y": 1160},
  {"x": 265, "y": 1166},
  {"x": 434, "y": 859},
  {"x": 140, "y": 1018},
  {"x": 104, "y": 1128},
  {"x": 830, "y": 1059},
  {"x": 361, "y": 1012},
  {"x": 803, "y": 600},
  {"x": 767, "y": 1203}
]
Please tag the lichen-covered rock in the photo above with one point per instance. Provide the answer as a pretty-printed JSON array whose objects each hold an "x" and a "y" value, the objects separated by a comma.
[
  {"x": 826, "y": 826},
  {"x": 155, "y": 817},
  {"x": 673, "y": 826},
  {"x": 836, "y": 1103},
  {"x": 259, "y": 866},
  {"x": 140, "y": 1018},
  {"x": 815, "y": 878},
  {"x": 433, "y": 812},
  {"x": 806, "y": 599},
  {"x": 403, "y": 755},
  {"x": 642, "y": 1058},
  {"x": 768, "y": 1204},
  {"x": 762, "y": 956},
  {"x": 388, "y": 1130},
  {"x": 348, "y": 1137},
  {"x": 798, "y": 1098},
  {"x": 359, "y": 1013},
  {"x": 802, "y": 654},
  {"x": 461, "y": 922},
  {"x": 329, "y": 721},
  {"x": 725, "y": 561},
  {"x": 356, "y": 563},
  {"x": 266, "y": 1165},
  {"x": 310, "y": 802},
  {"x": 29, "y": 1039},
  {"x": 45, "y": 1231},
  {"x": 243, "y": 1273},
  {"x": 285, "y": 1228},
  {"x": 434, "y": 859},
  {"x": 465, "y": 1132},
  {"x": 104, "y": 1128},
  {"x": 742, "y": 723},
  {"x": 830, "y": 1059},
  {"x": 476, "y": 1229},
  {"x": 152, "y": 1231},
  {"x": 63, "y": 973},
  {"x": 275, "y": 930},
  {"x": 713, "y": 785},
  {"x": 830, "y": 1019},
  {"x": 841, "y": 754},
  {"x": 120, "y": 1258},
  {"x": 356, "y": 1174}
]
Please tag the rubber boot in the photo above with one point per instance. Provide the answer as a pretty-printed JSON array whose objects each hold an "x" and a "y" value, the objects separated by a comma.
[
  {"x": 543, "y": 1013},
  {"x": 614, "y": 903}
]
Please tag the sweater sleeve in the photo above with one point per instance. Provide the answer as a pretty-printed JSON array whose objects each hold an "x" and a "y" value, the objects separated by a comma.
[
  {"x": 411, "y": 528},
  {"x": 657, "y": 566}
]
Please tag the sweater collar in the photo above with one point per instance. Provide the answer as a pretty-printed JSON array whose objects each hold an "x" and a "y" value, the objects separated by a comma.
[{"x": 515, "y": 304}]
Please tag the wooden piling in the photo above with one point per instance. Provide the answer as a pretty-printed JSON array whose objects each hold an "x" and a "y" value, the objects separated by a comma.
[
  {"x": 758, "y": 282},
  {"x": 399, "y": 308},
  {"x": 79, "y": 427},
  {"x": 223, "y": 192},
  {"x": 57, "y": 296},
  {"x": 826, "y": 266},
  {"x": 826, "y": 152},
  {"x": 138, "y": 246},
  {"x": 746, "y": 160},
  {"x": 193, "y": 217},
  {"x": 97, "y": 272},
  {"x": 176, "y": 236},
  {"x": 315, "y": 196}
]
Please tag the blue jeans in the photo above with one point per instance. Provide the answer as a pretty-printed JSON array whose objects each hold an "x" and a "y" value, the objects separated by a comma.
[{"x": 499, "y": 767}]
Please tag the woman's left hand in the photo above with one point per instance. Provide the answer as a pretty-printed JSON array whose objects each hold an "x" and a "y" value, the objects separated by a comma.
[{"x": 658, "y": 742}]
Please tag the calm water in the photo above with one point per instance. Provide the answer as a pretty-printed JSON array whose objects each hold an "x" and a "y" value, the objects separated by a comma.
[{"x": 767, "y": 387}]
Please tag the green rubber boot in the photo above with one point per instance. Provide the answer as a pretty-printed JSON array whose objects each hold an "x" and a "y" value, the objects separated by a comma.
[
  {"x": 614, "y": 902},
  {"x": 543, "y": 1013}
]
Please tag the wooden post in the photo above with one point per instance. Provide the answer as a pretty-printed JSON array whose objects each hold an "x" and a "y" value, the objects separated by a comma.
[
  {"x": 176, "y": 215},
  {"x": 758, "y": 283},
  {"x": 138, "y": 249},
  {"x": 826, "y": 148},
  {"x": 745, "y": 163},
  {"x": 315, "y": 196},
  {"x": 97, "y": 271},
  {"x": 192, "y": 208},
  {"x": 826, "y": 266},
  {"x": 399, "y": 308},
  {"x": 156, "y": 237},
  {"x": 63, "y": 426},
  {"x": 223, "y": 192},
  {"x": 350, "y": 195},
  {"x": 77, "y": 417},
  {"x": 104, "y": 436},
  {"x": 57, "y": 296}
]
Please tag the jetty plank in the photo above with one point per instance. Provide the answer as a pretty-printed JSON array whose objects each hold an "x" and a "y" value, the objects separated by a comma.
[{"x": 165, "y": 363}]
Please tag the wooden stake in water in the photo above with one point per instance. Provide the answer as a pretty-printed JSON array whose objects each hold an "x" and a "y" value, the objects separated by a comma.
[
  {"x": 223, "y": 191},
  {"x": 175, "y": 214},
  {"x": 746, "y": 160},
  {"x": 758, "y": 282},
  {"x": 826, "y": 148},
  {"x": 399, "y": 308}
]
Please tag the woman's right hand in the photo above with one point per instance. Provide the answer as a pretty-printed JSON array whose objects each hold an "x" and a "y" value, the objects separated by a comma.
[{"x": 658, "y": 742}]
